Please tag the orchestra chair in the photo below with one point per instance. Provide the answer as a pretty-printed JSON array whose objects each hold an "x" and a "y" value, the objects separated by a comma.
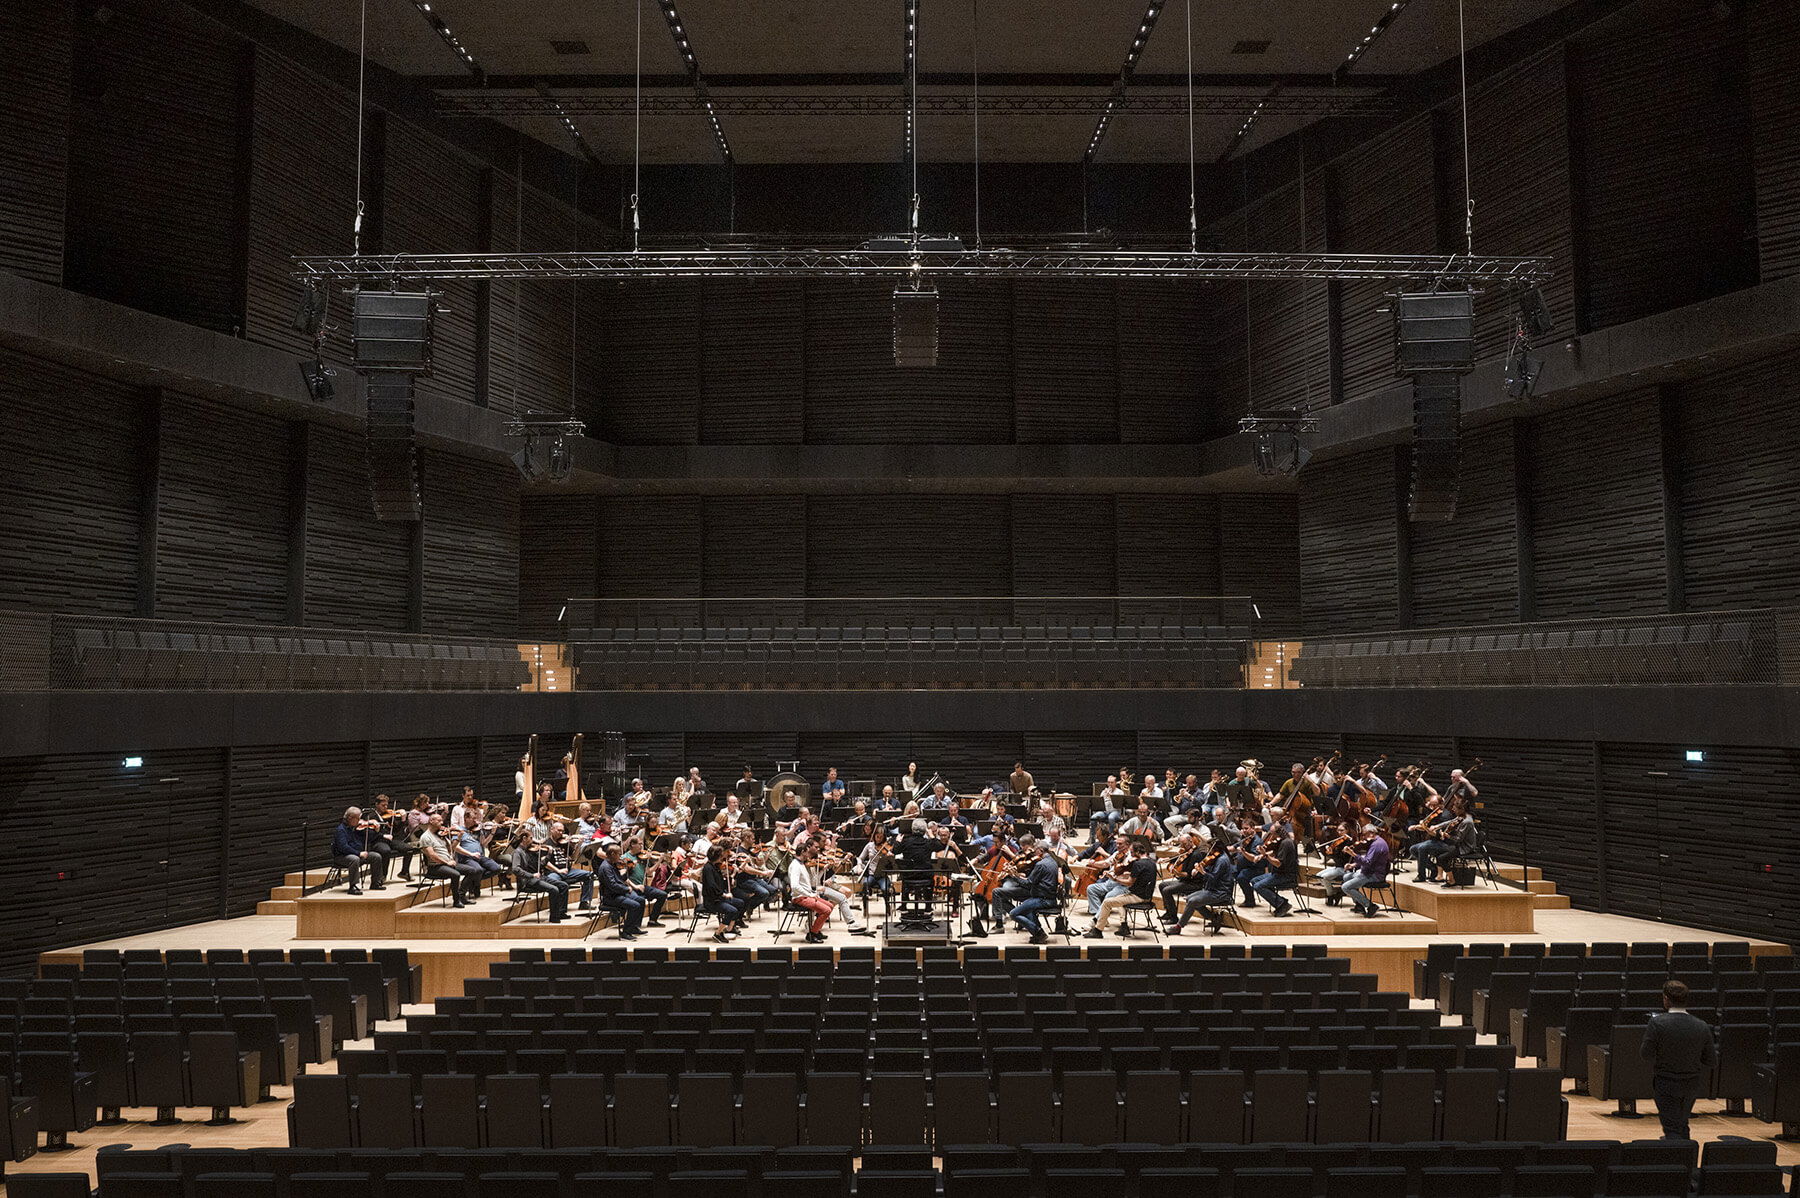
[
  {"x": 833, "y": 1113},
  {"x": 898, "y": 1108},
  {"x": 962, "y": 1109},
  {"x": 770, "y": 1111},
  {"x": 107, "y": 1055},
  {"x": 1024, "y": 1108},
  {"x": 382, "y": 1110},
  {"x": 897, "y": 1183},
  {"x": 1343, "y": 1106},
  {"x": 1090, "y": 1107},
  {"x": 1153, "y": 1106},
  {"x": 705, "y": 1114},
  {"x": 642, "y": 1105},
  {"x": 63, "y": 1095},
  {"x": 450, "y": 1108},
  {"x": 418, "y": 1184},
  {"x": 1775, "y": 1090},
  {"x": 1141, "y": 914},
  {"x": 1217, "y": 1106},
  {"x": 1406, "y": 1106}
]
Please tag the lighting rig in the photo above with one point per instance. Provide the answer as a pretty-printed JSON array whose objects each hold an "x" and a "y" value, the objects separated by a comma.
[
  {"x": 546, "y": 455},
  {"x": 512, "y": 105},
  {"x": 1278, "y": 448}
]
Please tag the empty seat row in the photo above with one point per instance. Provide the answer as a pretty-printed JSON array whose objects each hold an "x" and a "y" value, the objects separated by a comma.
[
  {"x": 1698, "y": 651},
  {"x": 704, "y": 1109},
  {"x": 155, "y": 659}
]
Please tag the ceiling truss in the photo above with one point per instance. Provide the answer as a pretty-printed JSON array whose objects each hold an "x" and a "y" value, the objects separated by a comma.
[{"x": 488, "y": 104}]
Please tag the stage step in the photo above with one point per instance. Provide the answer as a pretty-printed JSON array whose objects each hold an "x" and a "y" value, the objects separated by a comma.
[
  {"x": 1550, "y": 902},
  {"x": 275, "y": 907}
]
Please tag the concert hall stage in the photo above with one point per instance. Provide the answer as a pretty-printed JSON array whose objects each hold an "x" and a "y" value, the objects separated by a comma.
[{"x": 1384, "y": 947}]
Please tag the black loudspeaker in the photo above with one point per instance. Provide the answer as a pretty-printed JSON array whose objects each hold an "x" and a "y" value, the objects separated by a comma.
[
  {"x": 1534, "y": 314},
  {"x": 915, "y": 327},
  {"x": 393, "y": 450},
  {"x": 391, "y": 330},
  {"x": 1436, "y": 447},
  {"x": 1434, "y": 330}
]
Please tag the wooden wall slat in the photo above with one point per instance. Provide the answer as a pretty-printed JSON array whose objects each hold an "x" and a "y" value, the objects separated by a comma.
[
  {"x": 752, "y": 361},
  {"x": 1665, "y": 173},
  {"x": 1259, "y": 556},
  {"x": 1551, "y": 783},
  {"x": 1166, "y": 378},
  {"x": 1466, "y": 571},
  {"x": 1063, "y": 545},
  {"x": 432, "y": 205},
  {"x": 69, "y": 508},
  {"x": 302, "y": 195},
  {"x": 1284, "y": 361},
  {"x": 1596, "y": 503},
  {"x": 559, "y": 558},
  {"x": 1347, "y": 544},
  {"x": 153, "y": 174},
  {"x": 222, "y": 515},
  {"x": 1065, "y": 372},
  {"x": 650, "y": 334},
  {"x": 665, "y": 755},
  {"x": 651, "y": 549},
  {"x": 904, "y": 545},
  {"x": 1168, "y": 544},
  {"x": 1739, "y": 432},
  {"x": 356, "y": 567},
  {"x": 1774, "y": 45},
  {"x": 438, "y": 767},
  {"x": 472, "y": 546},
  {"x": 532, "y": 326},
  {"x": 274, "y": 788},
  {"x": 754, "y": 546},
  {"x": 34, "y": 92}
]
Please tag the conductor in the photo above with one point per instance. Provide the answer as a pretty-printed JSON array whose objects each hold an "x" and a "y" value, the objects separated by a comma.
[{"x": 1679, "y": 1047}]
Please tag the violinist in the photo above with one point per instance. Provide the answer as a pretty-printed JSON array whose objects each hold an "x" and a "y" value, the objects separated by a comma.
[
  {"x": 1436, "y": 848},
  {"x": 1282, "y": 856},
  {"x": 1042, "y": 890},
  {"x": 1339, "y": 855},
  {"x": 802, "y": 893},
  {"x": 562, "y": 865},
  {"x": 872, "y": 863},
  {"x": 470, "y": 849},
  {"x": 1190, "y": 854},
  {"x": 755, "y": 883},
  {"x": 824, "y": 862},
  {"x": 716, "y": 896},
  {"x": 534, "y": 874},
  {"x": 637, "y": 865},
  {"x": 1216, "y": 873},
  {"x": 1136, "y": 878},
  {"x": 466, "y": 815},
  {"x": 617, "y": 891},
  {"x": 1370, "y": 869},
  {"x": 1248, "y": 858},
  {"x": 354, "y": 844}
]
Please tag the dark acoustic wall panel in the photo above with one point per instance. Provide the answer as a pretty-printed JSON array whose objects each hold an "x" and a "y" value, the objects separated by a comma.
[
  {"x": 1386, "y": 190},
  {"x": 591, "y": 384},
  {"x": 1519, "y": 126},
  {"x": 651, "y": 549},
  {"x": 856, "y": 395},
  {"x": 1665, "y": 170},
  {"x": 752, "y": 361},
  {"x": 1286, "y": 350},
  {"x": 499, "y": 759},
  {"x": 1190, "y": 751},
  {"x": 472, "y": 546},
  {"x": 1653, "y": 797},
  {"x": 1168, "y": 544},
  {"x": 1065, "y": 370},
  {"x": 532, "y": 326},
  {"x": 1259, "y": 556},
  {"x": 968, "y": 761},
  {"x": 356, "y": 567},
  {"x": 1739, "y": 432},
  {"x": 302, "y": 194},
  {"x": 879, "y": 756},
  {"x": 1073, "y": 761},
  {"x": 274, "y": 790},
  {"x": 904, "y": 545},
  {"x": 440, "y": 768},
  {"x": 153, "y": 163},
  {"x": 1596, "y": 509},
  {"x": 1466, "y": 571},
  {"x": 115, "y": 885},
  {"x": 651, "y": 359},
  {"x": 1551, "y": 784},
  {"x": 664, "y": 755},
  {"x": 1165, "y": 375},
  {"x": 34, "y": 92},
  {"x": 1063, "y": 545},
  {"x": 222, "y": 513},
  {"x": 69, "y": 507},
  {"x": 722, "y": 756},
  {"x": 559, "y": 558},
  {"x": 755, "y": 546},
  {"x": 1403, "y": 750},
  {"x": 432, "y": 205},
  {"x": 1774, "y": 42},
  {"x": 1347, "y": 544}
]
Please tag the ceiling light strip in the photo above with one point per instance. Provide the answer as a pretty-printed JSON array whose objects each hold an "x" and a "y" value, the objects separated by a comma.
[
  {"x": 685, "y": 47},
  {"x": 1116, "y": 98},
  {"x": 450, "y": 39}
]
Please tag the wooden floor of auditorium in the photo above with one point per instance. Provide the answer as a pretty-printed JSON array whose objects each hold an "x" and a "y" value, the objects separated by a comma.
[{"x": 446, "y": 962}]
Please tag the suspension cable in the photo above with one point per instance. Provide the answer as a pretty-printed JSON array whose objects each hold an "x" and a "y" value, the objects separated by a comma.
[
  {"x": 362, "y": 66},
  {"x": 1462, "y": 53},
  {"x": 637, "y": 125}
]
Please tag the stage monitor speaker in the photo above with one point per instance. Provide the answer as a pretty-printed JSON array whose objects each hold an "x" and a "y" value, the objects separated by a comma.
[
  {"x": 915, "y": 327},
  {"x": 1436, "y": 447},
  {"x": 391, "y": 330},
  {"x": 392, "y": 446},
  {"x": 1434, "y": 331}
]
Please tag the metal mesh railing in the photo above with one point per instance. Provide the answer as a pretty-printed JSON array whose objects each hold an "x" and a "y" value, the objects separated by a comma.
[
  {"x": 1727, "y": 648},
  {"x": 921, "y": 617},
  {"x": 76, "y": 652}
]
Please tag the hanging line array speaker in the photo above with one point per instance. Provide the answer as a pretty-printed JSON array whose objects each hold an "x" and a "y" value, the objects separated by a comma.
[
  {"x": 393, "y": 448},
  {"x": 915, "y": 326},
  {"x": 391, "y": 330},
  {"x": 1436, "y": 447}
]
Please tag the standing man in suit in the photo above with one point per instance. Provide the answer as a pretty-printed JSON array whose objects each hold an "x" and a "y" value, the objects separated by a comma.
[{"x": 1679, "y": 1047}]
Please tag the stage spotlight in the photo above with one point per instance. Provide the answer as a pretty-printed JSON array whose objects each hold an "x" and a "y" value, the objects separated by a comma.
[
  {"x": 1277, "y": 448},
  {"x": 915, "y": 326},
  {"x": 318, "y": 378},
  {"x": 1534, "y": 314},
  {"x": 1522, "y": 370},
  {"x": 546, "y": 455},
  {"x": 309, "y": 317}
]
